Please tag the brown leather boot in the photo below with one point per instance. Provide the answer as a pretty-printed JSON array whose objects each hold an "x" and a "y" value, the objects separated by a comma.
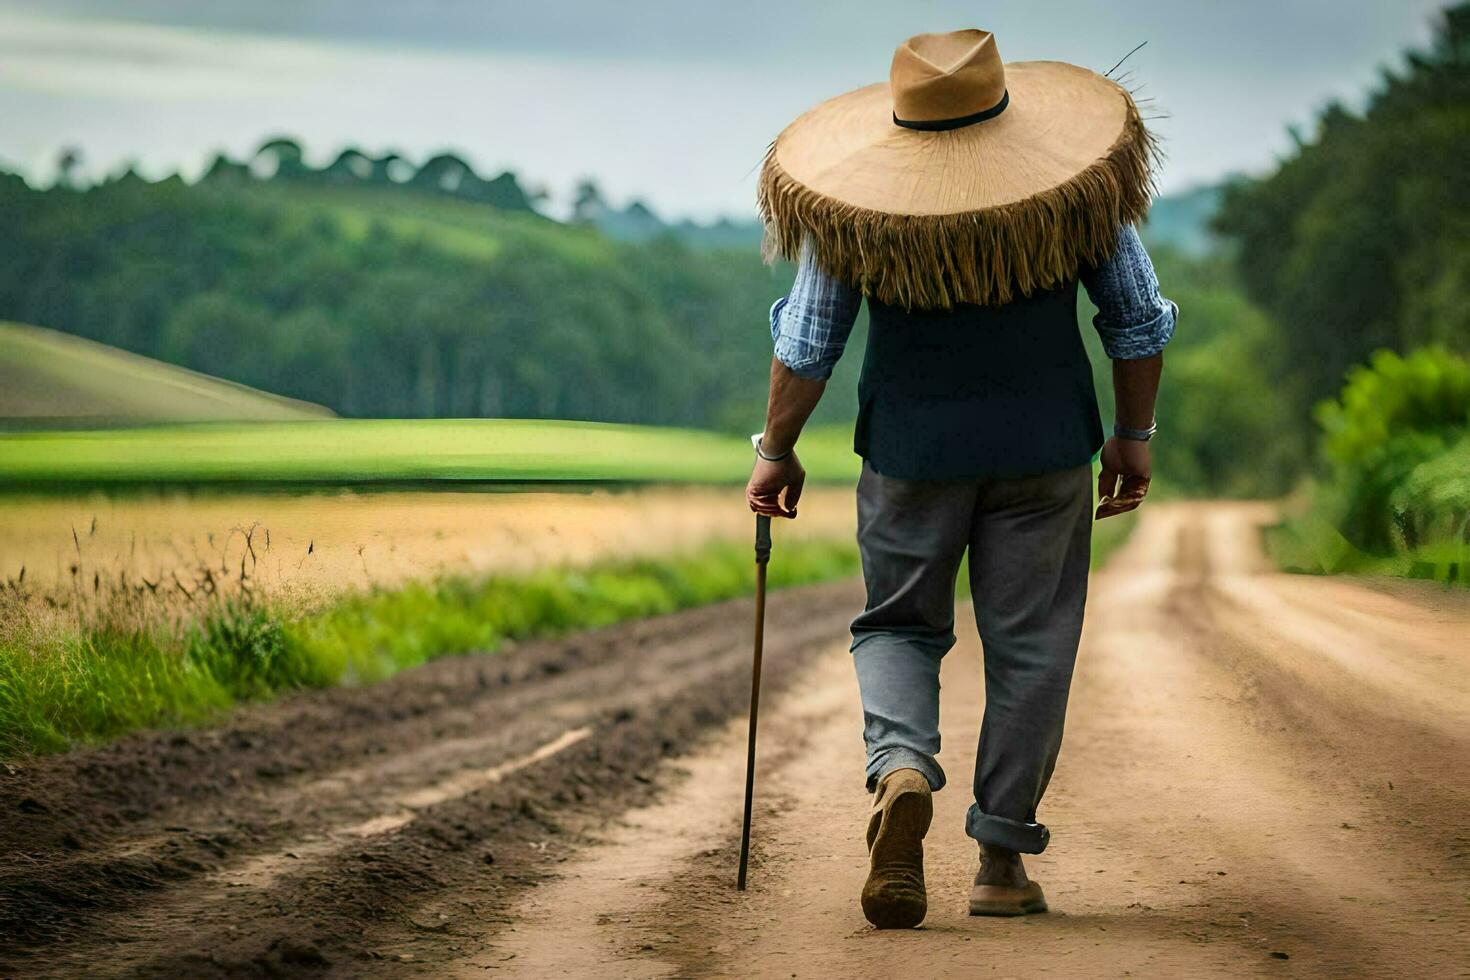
[
  {"x": 894, "y": 896},
  {"x": 1001, "y": 885}
]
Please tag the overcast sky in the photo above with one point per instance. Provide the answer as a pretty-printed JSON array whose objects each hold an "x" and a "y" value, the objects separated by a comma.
[{"x": 672, "y": 101}]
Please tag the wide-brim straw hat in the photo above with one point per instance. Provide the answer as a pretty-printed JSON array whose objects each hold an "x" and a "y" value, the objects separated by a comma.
[{"x": 961, "y": 179}]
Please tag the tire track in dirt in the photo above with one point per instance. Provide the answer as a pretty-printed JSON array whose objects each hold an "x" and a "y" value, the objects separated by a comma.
[
  {"x": 1355, "y": 874},
  {"x": 264, "y": 870},
  {"x": 1378, "y": 707},
  {"x": 232, "y": 852},
  {"x": 1215, "y": 812}
]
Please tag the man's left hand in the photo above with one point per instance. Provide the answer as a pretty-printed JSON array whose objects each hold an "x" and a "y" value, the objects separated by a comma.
[{"x": 775, "y": 486}]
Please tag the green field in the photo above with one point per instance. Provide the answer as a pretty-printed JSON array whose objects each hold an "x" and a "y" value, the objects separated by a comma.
[
  {"x": 47, "y": 377},
  {"x": 395, "y": 452}
]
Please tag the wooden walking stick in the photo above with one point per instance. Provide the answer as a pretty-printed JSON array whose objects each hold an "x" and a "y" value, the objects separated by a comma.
[{"x": 762, "y": 558}]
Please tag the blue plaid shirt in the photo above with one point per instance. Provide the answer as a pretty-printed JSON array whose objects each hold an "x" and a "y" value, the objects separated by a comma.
[{"x": 811, "y": 324}]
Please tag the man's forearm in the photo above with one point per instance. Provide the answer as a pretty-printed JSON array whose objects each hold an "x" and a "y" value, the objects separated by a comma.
[
  {"x": 792, "y": 401},
  {"x": 1135, "y": 388}
]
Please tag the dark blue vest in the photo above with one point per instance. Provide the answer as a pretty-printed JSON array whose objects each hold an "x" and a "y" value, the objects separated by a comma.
[{"x": 977, "y": 390}]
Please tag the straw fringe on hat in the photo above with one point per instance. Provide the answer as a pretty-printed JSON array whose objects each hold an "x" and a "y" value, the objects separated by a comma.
[{"x": 961, "y": 180}]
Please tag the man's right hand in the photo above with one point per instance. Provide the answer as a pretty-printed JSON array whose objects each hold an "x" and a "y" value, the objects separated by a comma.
[
  {"x": 1123, "y": 482},
  {"x": 769, "y": 480}
]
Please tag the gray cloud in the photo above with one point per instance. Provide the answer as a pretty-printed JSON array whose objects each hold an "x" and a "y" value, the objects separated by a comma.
[{"x": 700, "y": 82}]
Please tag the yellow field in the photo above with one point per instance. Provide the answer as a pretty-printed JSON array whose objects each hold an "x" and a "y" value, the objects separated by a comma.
[{"x": 317, "y": 544}]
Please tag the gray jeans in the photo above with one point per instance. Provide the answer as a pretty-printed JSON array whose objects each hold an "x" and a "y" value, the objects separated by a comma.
[{"x": 1029, "y": 540}]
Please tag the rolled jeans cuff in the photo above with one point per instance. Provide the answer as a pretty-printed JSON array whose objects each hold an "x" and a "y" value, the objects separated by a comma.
[
  {"x": 1015, "y": 835},
  {"x": 886, "y": 760}
]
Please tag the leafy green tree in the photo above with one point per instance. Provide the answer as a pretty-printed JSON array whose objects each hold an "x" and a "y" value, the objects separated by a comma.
[
  {"x": 1357, "y": 241},
  {"x": 503, "y": 191},
  {"x": 588, "y": 205},
  {"x": 444, "y": 172},
  {"x": 67, "y": 162},
  {"x": 1394, "y": 416},
  {"x": 391, "y": 168},
  {"x": 216, "y": 333},
  {"x": 350, "y": 166},
  {"x": 279, "y": 157},
  {"x": 224, "y": 168}
]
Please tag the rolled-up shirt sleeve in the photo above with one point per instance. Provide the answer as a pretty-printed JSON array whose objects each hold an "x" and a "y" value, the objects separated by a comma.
[
  {"x": 811, "y": 324},
  {"x": 1133, "y": 319}
]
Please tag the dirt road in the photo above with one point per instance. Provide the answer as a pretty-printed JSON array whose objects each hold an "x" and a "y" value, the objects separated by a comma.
[{"x": 1263, "y": 775}]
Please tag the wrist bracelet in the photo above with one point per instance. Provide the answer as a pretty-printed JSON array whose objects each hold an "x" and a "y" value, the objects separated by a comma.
[
  {"x": 1137, "y": 435},
  {"x": 760, "y": 451}
]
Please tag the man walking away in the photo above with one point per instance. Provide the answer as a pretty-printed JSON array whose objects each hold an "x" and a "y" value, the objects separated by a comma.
[{"x": 965, "y": 201}]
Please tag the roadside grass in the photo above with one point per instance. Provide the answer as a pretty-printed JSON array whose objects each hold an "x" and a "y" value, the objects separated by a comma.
[
  {"x": 395, "y": 452},
  {"x": 1306, "y": 544},
  {"x": 121, "y": 672},
  {"x": 1110, "y": 535},
  {"x": 125, "y": 668},
  {"x": 1393, "y": 497}
]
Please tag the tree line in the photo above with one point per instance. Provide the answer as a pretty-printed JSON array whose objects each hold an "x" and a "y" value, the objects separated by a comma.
[
  {"x": 391, "y": 303},
  {"x": 1356, "y": 248},
  {"x": 282, "y": 158},
  {"x": 1358, "y": 241}
]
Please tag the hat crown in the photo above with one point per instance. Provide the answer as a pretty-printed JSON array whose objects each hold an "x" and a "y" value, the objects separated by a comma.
[{"x": 936, "y": 77}]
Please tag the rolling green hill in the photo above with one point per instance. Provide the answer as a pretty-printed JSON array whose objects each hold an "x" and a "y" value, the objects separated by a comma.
[{"x": 51, "y": 378}]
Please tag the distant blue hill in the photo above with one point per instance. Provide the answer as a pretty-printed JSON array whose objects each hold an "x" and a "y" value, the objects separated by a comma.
[
  {"x": 638, "y": 223},
  {"x": 1182, "y": 221}
]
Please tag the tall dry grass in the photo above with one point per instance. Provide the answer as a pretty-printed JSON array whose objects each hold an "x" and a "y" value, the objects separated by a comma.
[{"x": 106, "y": 650}]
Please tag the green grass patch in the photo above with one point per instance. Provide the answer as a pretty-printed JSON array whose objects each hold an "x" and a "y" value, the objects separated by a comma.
[
  {"x": 1307, "y": 544},
  {"x": 396, "y": 451},
  {"x": 106, "y": 680},
  {"x": 1395, "y": 497},
  {"x": 1110, "y": 535}
]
